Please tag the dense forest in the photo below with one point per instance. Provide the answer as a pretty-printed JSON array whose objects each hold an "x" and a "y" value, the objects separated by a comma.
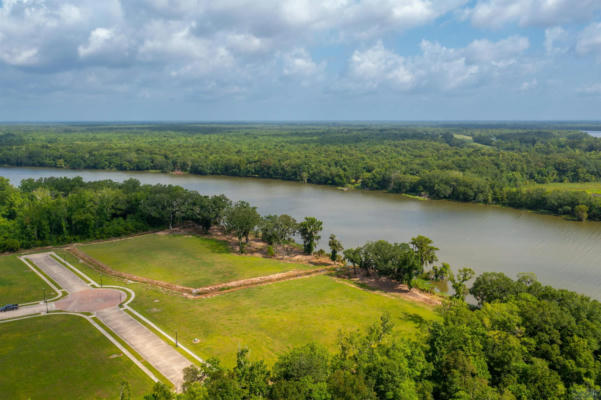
[
  {"x": 522, "y": 341},
  {"x": 62, "y": 210},
  {"x": 488, "y": 163}
]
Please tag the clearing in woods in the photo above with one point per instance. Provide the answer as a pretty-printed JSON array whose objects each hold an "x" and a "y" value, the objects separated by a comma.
[{"x": 185, "y": 260}]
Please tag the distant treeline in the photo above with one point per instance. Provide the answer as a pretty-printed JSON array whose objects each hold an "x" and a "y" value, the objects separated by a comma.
[
  {"x": 523, "y": 341},
  {"x": 457, "y": 162}
]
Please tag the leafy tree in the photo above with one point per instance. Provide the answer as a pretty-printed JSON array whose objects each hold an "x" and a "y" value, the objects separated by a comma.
[
  {"x": 353, "y": 256},
  {"x": 165, "y": 203},
  {"x": 426, "y": 253},
  {"x": 160, "y": 391},
  {"x": 253, "y": 377},
  {"x": 581, "y": 212},
  {"x": 458, "y": 282},
  {"x": 335, "y": 247},
  {"x": 277, "y": 229},
  {"x": 192, "y": 376},
  {"x": 394, "y": 260},
  {"x": 491, "y": 286},
  {"x": 309, "y": 230},
  {"x": 309, "y": 361},
  {"x": 241, "y": 219},
  {"x": 442, "y": 272},
  {"x": 346, "y": 385}
]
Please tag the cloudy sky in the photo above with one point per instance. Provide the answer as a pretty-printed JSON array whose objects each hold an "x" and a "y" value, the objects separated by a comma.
[{"x": 299, "y": 59}]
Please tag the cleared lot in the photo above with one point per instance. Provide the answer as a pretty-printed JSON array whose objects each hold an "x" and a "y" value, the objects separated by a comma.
[
  {"x": 272, "y": 318},
  {"x": 184, "y": 260}
]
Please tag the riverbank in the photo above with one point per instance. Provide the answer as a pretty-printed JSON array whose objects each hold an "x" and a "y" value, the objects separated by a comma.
[{"x": 488, "y": 239}]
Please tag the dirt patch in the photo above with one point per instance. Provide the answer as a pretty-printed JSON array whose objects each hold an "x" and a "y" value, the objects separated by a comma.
[
  {"x": 215, "y": 290},
  {"x": 390, "y": 287},
  {"x": 257, "y": 248}
]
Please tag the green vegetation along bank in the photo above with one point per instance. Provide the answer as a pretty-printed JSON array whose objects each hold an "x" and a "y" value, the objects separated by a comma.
[{"x": 488, "y": 163}]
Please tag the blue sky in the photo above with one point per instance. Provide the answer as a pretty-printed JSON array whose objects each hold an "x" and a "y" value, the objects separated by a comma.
[{"x": 300, "y": 60}]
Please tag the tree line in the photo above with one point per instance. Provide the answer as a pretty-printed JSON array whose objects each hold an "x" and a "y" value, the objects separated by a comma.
[
  {"x": 523, "y": 340},
  {"x": 495, "y": 164},
  {"x": 51, "y": 211}
]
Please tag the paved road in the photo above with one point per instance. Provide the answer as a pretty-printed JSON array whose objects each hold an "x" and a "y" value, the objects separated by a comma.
[
  {"x": 159, "y": 354},
  {"x": 162, "y": 356},
  {"x": 65, "y": 278},
  {"x": 26, "y": 310}
]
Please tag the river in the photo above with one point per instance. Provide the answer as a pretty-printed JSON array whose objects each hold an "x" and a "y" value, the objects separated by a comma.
[
  {"x": 594, "y": 133},
  {"x": 561, "y": 253}
]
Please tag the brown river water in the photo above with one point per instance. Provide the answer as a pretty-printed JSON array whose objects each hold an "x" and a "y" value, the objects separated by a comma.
[{"x": 565, "y": 254}]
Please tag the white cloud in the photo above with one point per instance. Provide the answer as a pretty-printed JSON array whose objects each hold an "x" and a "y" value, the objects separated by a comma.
[
  {"x": 378, "y": 65},
  {"x": 245, "y": 43},
  {"x": 591, "y": 90},
  {"x": 501, "y": 53},
  {"x": 437, "y": 67},
  {"x": 20, "y": 57},
  {"x": 555, "y": 40},
  {"x": 496, "y": 13},
  {"x": 299, "y": 62},
  {"x": 589, "y": 40},
  {"x": 46, "y": 33},
  {"x": 106, "y": 46},
  {"x": 529, "y": 85}
]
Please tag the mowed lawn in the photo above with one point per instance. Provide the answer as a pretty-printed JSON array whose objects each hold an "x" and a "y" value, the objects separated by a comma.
[
  {"x": 272, "y": 318},
  {"x": 589, "y": 187},
  {"x": 63, "y": 357},
  {"x": 184, "y": 260},
  {"x": 19, "y": 284}
]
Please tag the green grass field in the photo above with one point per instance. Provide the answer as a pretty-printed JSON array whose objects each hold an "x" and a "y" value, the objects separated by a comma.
[
  {"x": 19, "y": 284},
  {"x": 273, "y": 318},
  {"x": 183, "y": 259},
  {"x": 267, "y": 319},
  {"x": 589, "y": 187},
  {"x": 63, "y": 357}
]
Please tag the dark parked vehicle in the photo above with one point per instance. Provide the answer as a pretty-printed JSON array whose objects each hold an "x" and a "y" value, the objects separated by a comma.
[{"x": 9, "y": 307}]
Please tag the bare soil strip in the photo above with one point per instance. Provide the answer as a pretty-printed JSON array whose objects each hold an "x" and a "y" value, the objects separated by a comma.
[
  {"x": 203, "y": 291},
  {"x": 391, "y": 288},
  {"x": 215, "y": 290}
]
